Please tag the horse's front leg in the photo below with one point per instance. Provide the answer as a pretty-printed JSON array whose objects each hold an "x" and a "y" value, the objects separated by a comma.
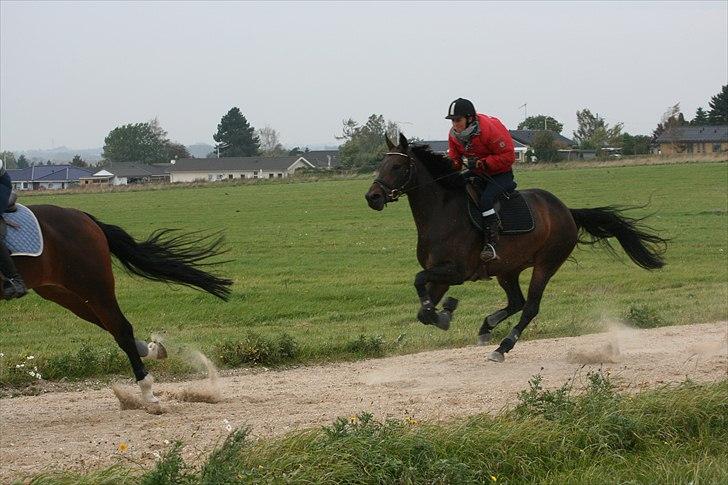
[{"x": 431, "y": 284}]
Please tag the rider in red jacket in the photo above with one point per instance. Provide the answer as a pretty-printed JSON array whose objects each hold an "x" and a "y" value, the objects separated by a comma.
[{"x": 486, "y": 145}]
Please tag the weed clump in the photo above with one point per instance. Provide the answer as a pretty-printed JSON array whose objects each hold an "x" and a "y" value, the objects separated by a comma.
[
  {"x": 255, "y": 349},
  {"x": 642, "y": 316},
  {"x": 363, "y": 346}
]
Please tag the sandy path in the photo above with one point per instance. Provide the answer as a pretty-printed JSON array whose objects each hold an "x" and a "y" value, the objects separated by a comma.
[{"x": 81, "y": 430}]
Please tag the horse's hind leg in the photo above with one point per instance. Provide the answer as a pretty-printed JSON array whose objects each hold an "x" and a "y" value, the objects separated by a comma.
[
  {"x": 116, "y": 323},
  {"x": 541, "y": 276},
  {"x": 509, "y": 283},
  {"x": 81, "y": 309}
]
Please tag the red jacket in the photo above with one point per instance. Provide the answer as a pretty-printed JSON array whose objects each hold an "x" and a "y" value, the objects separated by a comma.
[{"x": 493, "y": 148}]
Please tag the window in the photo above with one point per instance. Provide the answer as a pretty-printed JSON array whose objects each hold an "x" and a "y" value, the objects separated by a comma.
[
  {"x": 716, "y": 147},
  {"x": 230, "y": 176},
  {"x": 690, "y": 148},
  {"x": 271, "y": 175},
  {"x": 280, "y": 175}
]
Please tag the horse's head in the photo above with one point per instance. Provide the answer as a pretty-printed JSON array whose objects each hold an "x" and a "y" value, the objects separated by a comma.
[{"x": 396, "y": 173}]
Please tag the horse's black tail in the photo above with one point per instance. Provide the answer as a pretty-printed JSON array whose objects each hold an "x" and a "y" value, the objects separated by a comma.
[
  {"x": 169, "y": 258},
  {"x": 641, "y": 244}
]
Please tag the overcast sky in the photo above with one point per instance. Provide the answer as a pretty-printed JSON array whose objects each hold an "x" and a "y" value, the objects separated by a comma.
[{"x": 71, "y": 72}]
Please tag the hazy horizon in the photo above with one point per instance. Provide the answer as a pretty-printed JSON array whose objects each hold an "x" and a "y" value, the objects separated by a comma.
[{"x": 71, "y": 72}]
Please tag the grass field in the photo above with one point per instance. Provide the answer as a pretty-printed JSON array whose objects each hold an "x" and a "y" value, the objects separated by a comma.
[
  {"x": 319, "y": 276},
  {"x": 677, "y": 435}
]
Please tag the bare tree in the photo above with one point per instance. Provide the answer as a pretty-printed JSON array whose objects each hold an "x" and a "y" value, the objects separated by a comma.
[{"x": 270, "y": 143}]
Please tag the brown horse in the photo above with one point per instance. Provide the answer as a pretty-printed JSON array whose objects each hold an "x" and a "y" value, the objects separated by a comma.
[
  {"x": 74, "y": 271},
  {"x": 448, "y": 245}
]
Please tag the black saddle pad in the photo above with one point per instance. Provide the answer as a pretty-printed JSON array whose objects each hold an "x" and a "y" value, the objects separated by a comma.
[{"x": 513, "y": 212}]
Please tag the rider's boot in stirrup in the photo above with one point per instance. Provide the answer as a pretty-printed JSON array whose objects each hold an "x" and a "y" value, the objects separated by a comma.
[{"x": 490, "y": 234}]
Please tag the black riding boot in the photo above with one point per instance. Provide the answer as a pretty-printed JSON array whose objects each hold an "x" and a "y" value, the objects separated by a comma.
[
  {"x": 490, "y": 234},
  {"x": 13, "y": 285}
]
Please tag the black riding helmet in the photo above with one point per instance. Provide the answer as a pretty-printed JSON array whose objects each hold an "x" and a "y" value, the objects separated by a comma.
[{"x": 460, "y": 107}]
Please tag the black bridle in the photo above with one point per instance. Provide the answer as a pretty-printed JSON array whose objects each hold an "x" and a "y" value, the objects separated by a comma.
[{"x": 394, "y": 193}]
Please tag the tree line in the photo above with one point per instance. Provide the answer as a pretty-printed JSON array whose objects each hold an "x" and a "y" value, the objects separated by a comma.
[{"x": 363, "y": 144}]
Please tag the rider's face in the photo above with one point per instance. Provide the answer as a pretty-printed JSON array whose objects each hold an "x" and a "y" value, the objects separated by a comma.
[{"x": 459, "y": 123}]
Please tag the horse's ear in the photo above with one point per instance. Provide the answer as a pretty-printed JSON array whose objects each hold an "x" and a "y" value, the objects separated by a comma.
[
  {"x": 403, "y": 143},
  {"x": 390, "y": 145}
]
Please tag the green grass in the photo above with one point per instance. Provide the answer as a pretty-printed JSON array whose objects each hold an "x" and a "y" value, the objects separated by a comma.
[
  {"x": 672, "y": 435},
  {"x": 315, "y": 267}
]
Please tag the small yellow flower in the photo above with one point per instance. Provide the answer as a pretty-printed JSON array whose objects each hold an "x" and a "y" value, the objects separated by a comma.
[
  {"x": 123, "y": 447},
  {"x": 353, "y": 419},
  {"x": 493, "y": 478}
]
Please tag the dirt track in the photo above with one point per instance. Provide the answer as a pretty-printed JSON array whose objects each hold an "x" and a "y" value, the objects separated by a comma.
[{"x": 82, "y": 430}]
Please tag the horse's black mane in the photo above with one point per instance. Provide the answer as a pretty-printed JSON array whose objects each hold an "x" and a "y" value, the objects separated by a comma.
[{"x": 439, "y": 166}]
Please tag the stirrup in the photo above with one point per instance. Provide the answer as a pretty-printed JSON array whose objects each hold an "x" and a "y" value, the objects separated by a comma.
[{"x": 488, "y": 253}]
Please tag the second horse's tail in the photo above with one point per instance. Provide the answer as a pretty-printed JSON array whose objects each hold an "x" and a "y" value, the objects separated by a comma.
[
  {"x": 169, "y": 258},
  {"x": 641, "y": 244}
]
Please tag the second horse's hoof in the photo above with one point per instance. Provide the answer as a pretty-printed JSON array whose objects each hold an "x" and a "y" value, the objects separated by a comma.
[
  {"x": 443, "y": 320},
  {"x": 484, "y": 339},
  {"x": 496, "y": 356},
  {"x": 428, "y": 316}
]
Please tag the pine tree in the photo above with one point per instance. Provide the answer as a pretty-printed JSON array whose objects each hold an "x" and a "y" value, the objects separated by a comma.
[
  {"x": 701, "y": 118},
  {"x": 718, "y": 114},
  {"x": 235, "y": 137}
]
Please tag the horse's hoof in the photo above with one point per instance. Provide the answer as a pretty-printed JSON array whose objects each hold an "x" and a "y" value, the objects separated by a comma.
[
  {"x": 484, "y": 339},
  {"x": 146, "y": 387},
  {"x": 443, "y": 320},
  {"x": 428, "y": 316},
  {"x": 450, "y": 304},
  {"x": 496, "y": 356},
  {"x": 157, "y": 351}
]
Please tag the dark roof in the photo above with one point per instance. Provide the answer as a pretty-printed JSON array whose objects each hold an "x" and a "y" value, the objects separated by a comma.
[
  {"x": 137, "y": 169},
  {"x": 437, "y": 146},
  {"x": 526, "y": 137},
  {"x": 715, "y": 133},
  {"x": 321, "y": 158},
  {"x": 49, "y": 173},
  {"x": 232, "y": 163},
  {"x": 441, "y": 146}
]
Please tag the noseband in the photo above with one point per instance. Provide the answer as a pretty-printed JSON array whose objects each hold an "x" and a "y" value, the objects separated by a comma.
[{"x": 394, "y": 193}]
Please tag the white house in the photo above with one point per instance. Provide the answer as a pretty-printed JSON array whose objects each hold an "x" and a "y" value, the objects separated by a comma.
[
  {"x": 227, "y": 168},
  {"x": 124, "y": 173}
]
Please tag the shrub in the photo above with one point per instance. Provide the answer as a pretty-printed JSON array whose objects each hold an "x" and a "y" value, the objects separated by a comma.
[
  {"x": 366, "y": 346},
  {"x": 644, "y": 317},
  {"x": 255, "y": 349}
]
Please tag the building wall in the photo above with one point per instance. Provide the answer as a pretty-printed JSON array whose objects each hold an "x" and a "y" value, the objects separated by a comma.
[
  {"x": 20, "y": 185},
  {"x": 176, "y": 177},
  {"x": 693, "y": 148}
]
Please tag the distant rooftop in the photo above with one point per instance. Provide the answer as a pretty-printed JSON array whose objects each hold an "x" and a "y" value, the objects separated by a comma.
[
  {"x": 687, "y": 134},
  {"x": 49, "y": 173}
]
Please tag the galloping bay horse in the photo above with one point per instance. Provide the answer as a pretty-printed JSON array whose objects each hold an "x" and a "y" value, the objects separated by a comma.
[
  {"x": 448, "y": 245},
  {"x": 74, "y": 271}
]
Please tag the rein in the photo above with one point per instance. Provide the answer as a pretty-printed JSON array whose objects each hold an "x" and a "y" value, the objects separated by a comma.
[{"x": 393, "y": 194}]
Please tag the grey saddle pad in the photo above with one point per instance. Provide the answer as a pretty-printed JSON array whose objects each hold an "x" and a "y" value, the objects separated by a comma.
[
  {"x": 513, "y": 212},
  {"x": 23, "y": 236}
]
